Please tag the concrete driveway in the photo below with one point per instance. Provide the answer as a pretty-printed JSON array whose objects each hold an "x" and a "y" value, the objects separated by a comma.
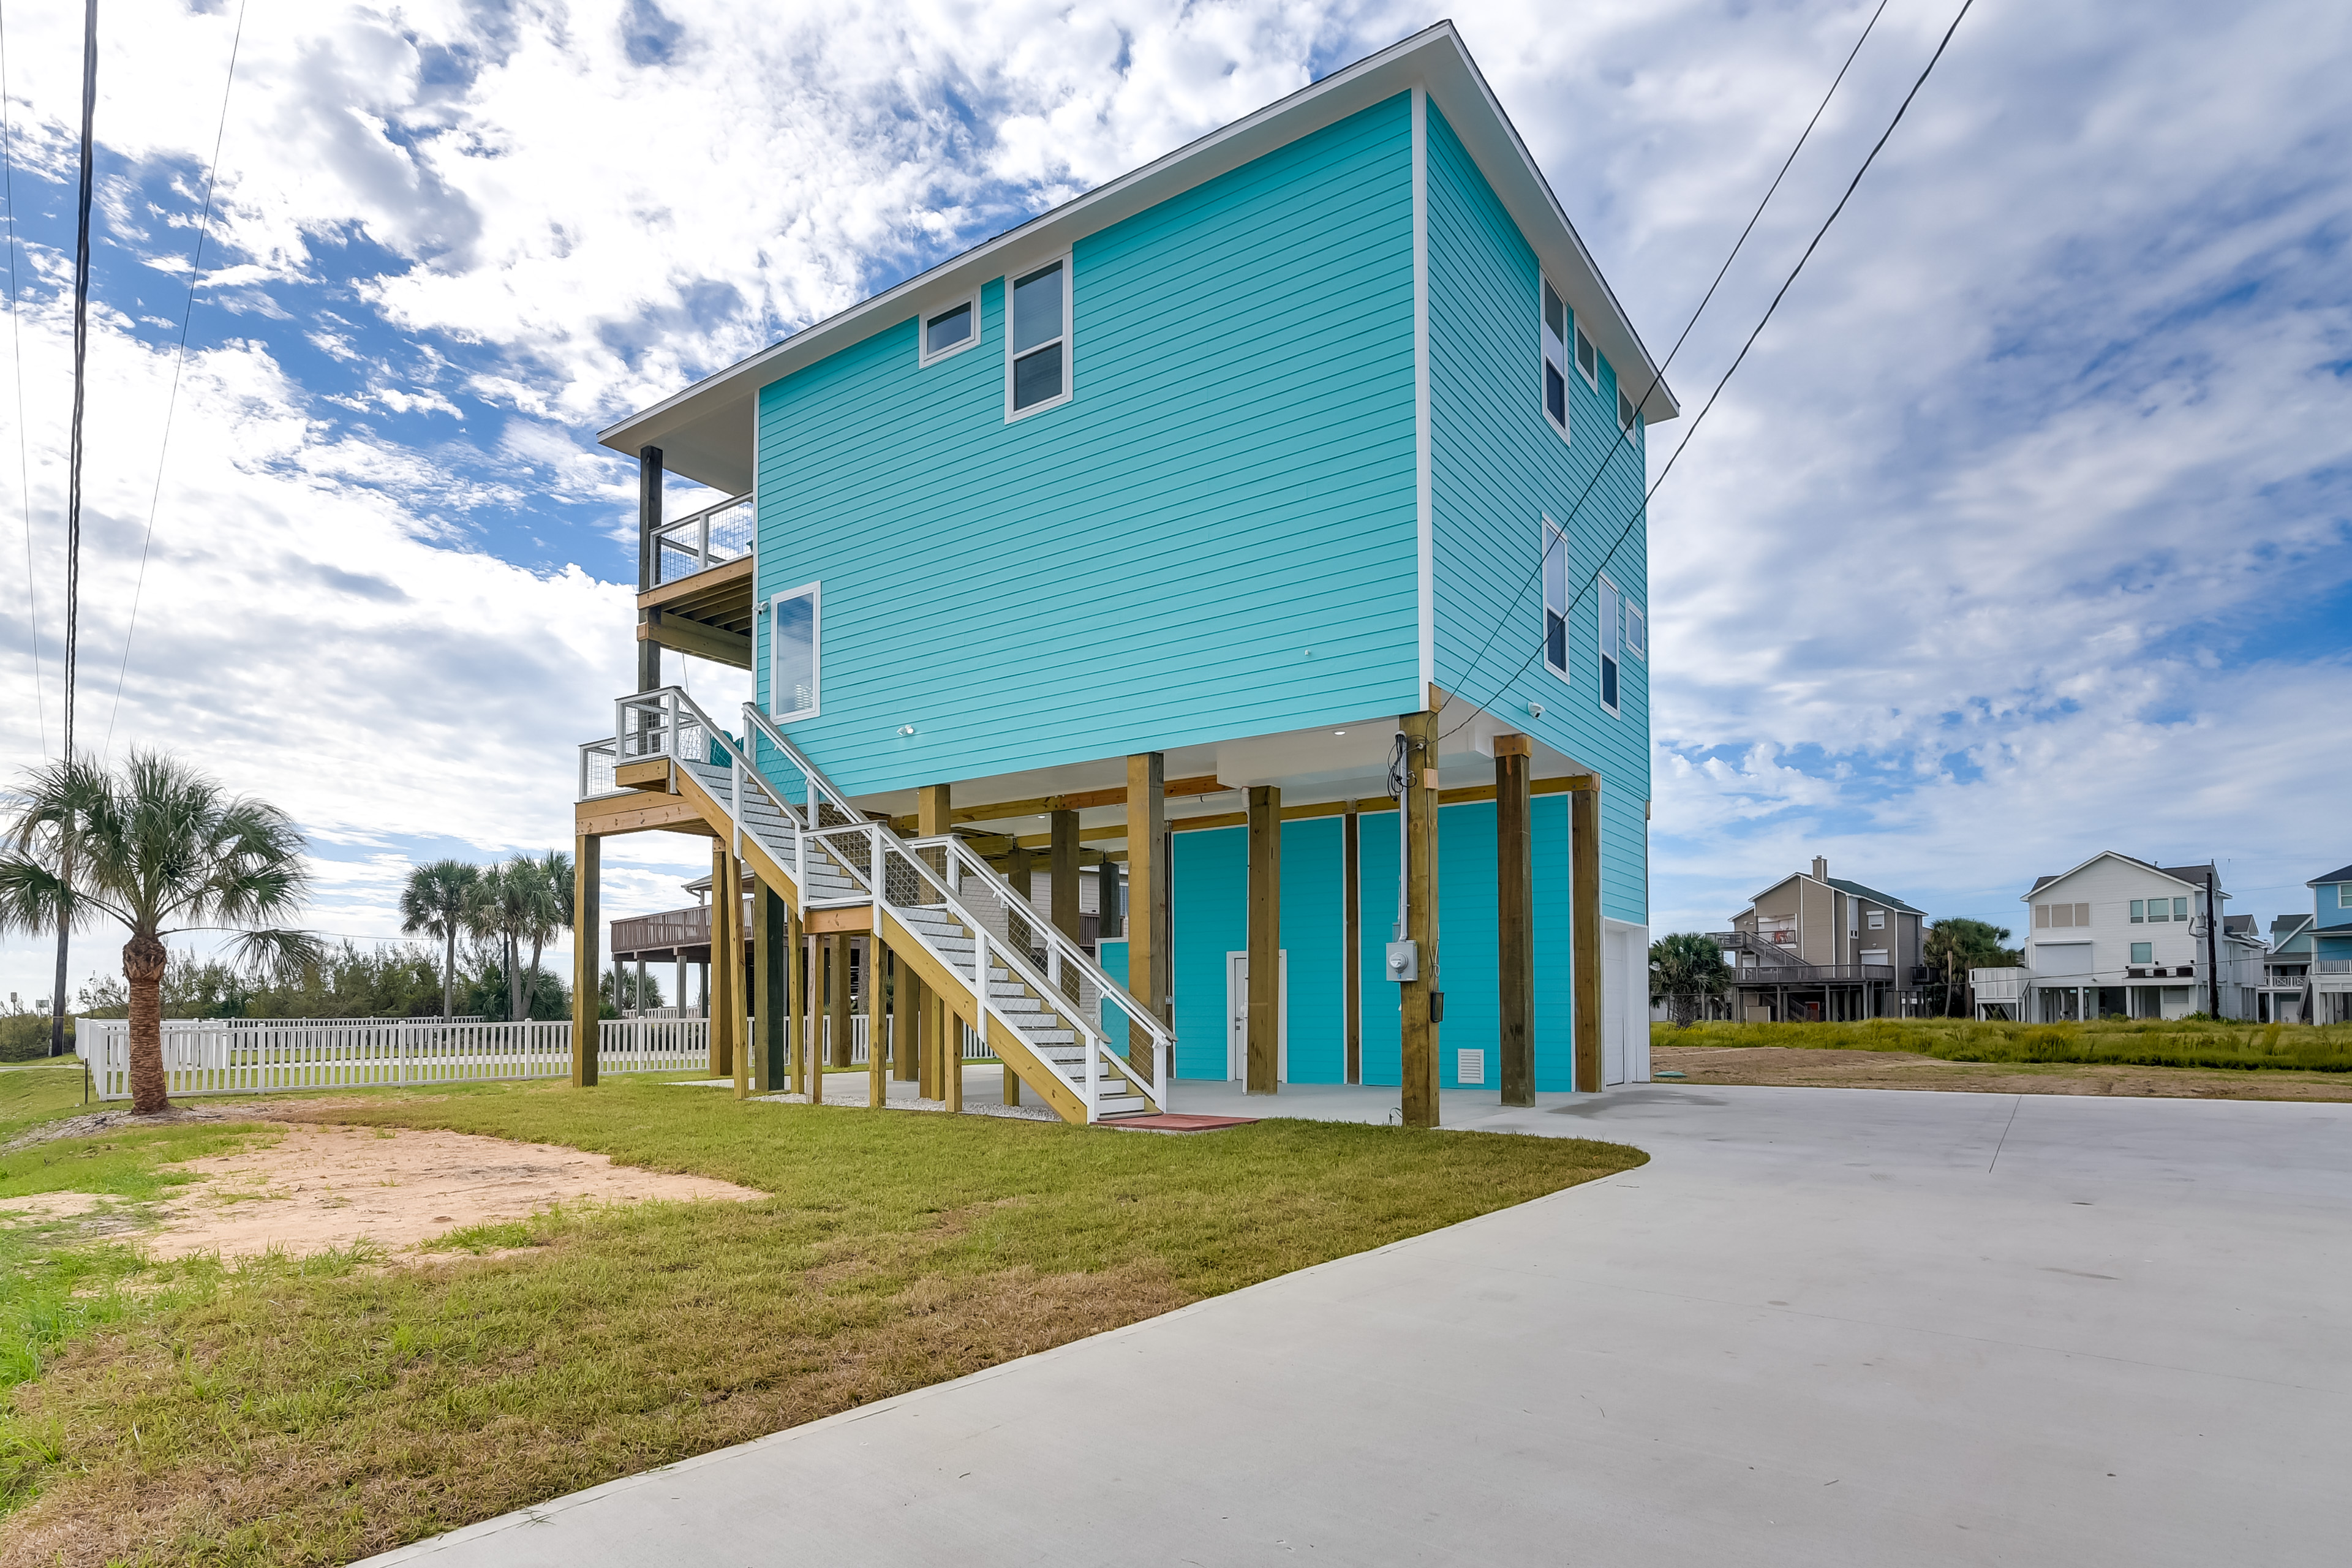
[{"x": 1821, "y": 1327}]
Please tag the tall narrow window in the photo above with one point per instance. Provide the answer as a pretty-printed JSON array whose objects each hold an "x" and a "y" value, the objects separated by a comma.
[
  {"x": 1637, "y": 631},
  {"x": 1627, "y": 414},
  {"x": 1612, "y": 635},
  {"x": 1587, "y": 362},
  {"x": 1555, "y": 582},
  {"x": 792, "y": 655},
  {"x": 952, "y": 330},
  {"x": 1037, "y": 349},
  {"x": 1554, "y": 360}
]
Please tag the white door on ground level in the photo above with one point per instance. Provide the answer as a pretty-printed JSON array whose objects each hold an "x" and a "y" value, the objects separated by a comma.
[
  {"x": 1237, "y": 1019},
  {"x": 1614, "y": 999}
]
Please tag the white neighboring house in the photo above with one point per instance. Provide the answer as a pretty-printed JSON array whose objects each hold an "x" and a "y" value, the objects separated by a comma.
[{"x": 2119, "y": 936}]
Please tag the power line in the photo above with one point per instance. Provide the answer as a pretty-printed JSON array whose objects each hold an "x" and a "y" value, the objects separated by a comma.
[
  {"x": 1625, "y": 431},
  {"x": 80, "y": 359},
  {"x": 179, "y": 363},
  {"x": 1684, "y": 445},
  {"x": 17, "y": 341}
]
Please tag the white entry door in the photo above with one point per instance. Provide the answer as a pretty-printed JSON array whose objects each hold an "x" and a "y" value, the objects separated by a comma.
[{"x": 1237, "y": 1019}]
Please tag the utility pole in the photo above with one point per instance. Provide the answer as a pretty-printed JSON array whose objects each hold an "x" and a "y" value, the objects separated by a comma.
[
  {"x": 2212, "y": 948},
  {"x": 73, "y": 503}
]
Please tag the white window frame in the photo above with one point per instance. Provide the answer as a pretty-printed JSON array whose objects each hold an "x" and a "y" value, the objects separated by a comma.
[
  {"x": 1548, "y": 533},
  {"x": 1626, "y": 406},
  {"x": 1635, "y": 613},
  {"x": 1068, "y": 338},
  {"x": 1565, "y": 424},
  {"x": 1584, "y": 349},
  {"x": 815, "y": 593},
  {"x": 1602, "y": 655},
  {"x": 923, "y": 356}
]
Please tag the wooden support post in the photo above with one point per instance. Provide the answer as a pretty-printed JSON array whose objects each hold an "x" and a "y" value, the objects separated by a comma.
[
  {"x": 1062, "y": 866},
  {"x": 794, "y": 956},
  {"x": 1016, "y": 871},
  {"x": 837, "y": 999},
  {"x": 951, "y": 1063},
  {"x": 906, "y": 1027},
  {"x": 1584, "y": 917},
  {"x": 927, "y": 1086},
  {"x": 1262, "y": 1037},
  {"x": 770, "y": 957},
  {"x": 587, "y": 939},
  {"x": 1416, "y": 997},
  {"x": 1515, "y": 919},
  {"x": 729, "y": 1055},
  {"x": 877, "y": 1024},
  {"x": 1149, "y": 926},
  {"x": 1107, "y": 925},
  {"x": 810, "y": 1060},
  {"x": 649, "y": 521},
  {"x": 1351, "y": 929},
  {"x": 932, "y": 816}
]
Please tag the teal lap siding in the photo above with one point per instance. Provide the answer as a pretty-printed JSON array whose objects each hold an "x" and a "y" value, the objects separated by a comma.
[
  {"x": 1215, "y": 537},
  {"x": 1499, "y": 468}
]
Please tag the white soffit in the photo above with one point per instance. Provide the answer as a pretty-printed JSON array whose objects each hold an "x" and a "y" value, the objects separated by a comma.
[{"x": 706, "y": 431}]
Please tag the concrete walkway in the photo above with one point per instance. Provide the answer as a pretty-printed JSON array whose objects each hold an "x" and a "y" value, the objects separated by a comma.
[{"x": 1821, "y": 1327}]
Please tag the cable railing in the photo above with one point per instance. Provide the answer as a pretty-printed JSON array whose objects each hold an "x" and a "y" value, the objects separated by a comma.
[{"x": 701, "y": 540}]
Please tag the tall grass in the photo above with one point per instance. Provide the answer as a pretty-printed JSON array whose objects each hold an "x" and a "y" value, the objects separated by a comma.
[{"x": 2143, "y": 1042}]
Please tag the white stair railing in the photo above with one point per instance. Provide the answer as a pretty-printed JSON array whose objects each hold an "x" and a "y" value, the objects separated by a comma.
[{"x": 940, "y": 876}]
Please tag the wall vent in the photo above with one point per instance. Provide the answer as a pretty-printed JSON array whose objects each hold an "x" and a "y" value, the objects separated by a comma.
[{"x": 1470, "y": 1066}]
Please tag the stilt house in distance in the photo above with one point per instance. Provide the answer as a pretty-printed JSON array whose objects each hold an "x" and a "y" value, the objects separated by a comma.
[{"x": 1258, "y": 536}]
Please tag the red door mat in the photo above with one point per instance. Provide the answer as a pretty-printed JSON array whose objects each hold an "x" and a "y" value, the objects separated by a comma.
[{"x": 1174, "y": 1121}]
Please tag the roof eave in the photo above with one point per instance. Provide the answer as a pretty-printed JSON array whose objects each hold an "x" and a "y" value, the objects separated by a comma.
[{"x": 695, "y": 426}]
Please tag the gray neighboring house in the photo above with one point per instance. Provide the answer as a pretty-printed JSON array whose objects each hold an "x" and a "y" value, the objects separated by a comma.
[{"x": 1818, "y": 948}]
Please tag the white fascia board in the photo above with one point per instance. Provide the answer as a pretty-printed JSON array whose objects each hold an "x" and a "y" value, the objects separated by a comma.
[
  {"x": 705, "y": 430},
  {"x": 2030, "y": 894}
]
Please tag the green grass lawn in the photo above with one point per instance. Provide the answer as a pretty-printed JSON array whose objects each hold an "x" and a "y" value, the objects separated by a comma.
[
  {"x": 2144, "y": 1043},
  {"x": 284, "y": 1413}
]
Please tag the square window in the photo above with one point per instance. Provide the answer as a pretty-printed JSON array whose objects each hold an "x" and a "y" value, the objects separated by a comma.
[
  {"x": 2160, "y": 909},
  {"x": 1555, "y": 586},
  {"x": 2143, "y": 953},
  {"x": 793, "y": 655},
  {"x": 1036, "y": 346},
  {"x": 949, "y": 330},
  {"x": 1878, "y": 920}
]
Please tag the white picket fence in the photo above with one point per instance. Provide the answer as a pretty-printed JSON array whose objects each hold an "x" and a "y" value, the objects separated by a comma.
[{"x": 256, "y": 1056}]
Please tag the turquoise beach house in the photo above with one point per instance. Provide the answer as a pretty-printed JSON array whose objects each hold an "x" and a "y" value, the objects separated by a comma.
[{"x": 1197, "y": 635}]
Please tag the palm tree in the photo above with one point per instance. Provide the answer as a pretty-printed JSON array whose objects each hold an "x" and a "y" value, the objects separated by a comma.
[
  {"x": 1684, "y": 967},
  {"x": 434, "y": 902},
  {"x": 1956, "y": 945},
  {"x": 551, "y": 911},
  {"x": 158, "y": 842}
]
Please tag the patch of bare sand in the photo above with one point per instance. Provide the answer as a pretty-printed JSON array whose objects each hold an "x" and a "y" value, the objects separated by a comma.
[
  {"x": 44, "y": 1206},
  {"x": 326, "y": 1187},
  {"x": 1798, "y": 1068}
]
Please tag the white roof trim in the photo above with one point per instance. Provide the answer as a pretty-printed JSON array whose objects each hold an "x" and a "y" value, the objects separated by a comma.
[{"x": 705, "y": 431}]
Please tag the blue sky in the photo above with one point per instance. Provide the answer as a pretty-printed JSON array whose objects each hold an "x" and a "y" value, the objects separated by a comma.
[{"x": 2025, "y": 531}]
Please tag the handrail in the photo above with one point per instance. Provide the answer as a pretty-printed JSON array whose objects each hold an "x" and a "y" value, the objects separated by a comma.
[{"x": 1063, "y": 951}]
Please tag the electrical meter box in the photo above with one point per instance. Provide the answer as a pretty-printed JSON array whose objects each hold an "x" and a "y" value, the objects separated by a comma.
[{"x": 1404, "y": 960}]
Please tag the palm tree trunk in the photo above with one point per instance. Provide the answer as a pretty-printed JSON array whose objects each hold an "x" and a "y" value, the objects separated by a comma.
[
  {"x": 143, "y": 960},
  {"x": 449, "y": 974},
  {"x": 514, "y": 978},
  {"x": 536, "y": 944}
]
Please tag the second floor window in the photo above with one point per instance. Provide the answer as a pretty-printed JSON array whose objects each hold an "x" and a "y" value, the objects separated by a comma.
[
  {"x": 1555, "y": 359},
  {"x": 1612, "y": 640},
  {"x": 2143, "y": 953},
  {"x": 1038, "y": 347},
  {"x": 791, "y": 653},
  {"x": 1555, "y": 584}
]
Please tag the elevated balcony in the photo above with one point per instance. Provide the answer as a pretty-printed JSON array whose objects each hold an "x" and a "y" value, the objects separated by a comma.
[{"x": 696, "y": 594}]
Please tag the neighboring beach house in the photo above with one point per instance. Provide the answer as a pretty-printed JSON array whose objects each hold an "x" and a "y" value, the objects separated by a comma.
[
  {"x": 1256, "y": 540},
  {"x": 1820, "y": 947},
  {"x": 2331, "y": 947},
  {"x": 2120, "y": 937}
]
